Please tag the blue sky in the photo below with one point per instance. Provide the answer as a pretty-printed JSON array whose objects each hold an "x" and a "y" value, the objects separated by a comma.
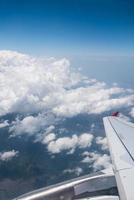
[
  {"x": 81, "y": 30},
  {"x": 68, "y": 27}
]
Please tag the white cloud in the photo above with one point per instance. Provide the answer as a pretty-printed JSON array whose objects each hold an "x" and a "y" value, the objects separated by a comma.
[
  {"x": 8, "y": 155},
  {"x": 48, "y": 138},
  {"x": 45, "y": 90},
  {"x": 4, "y": 124},
  {"x": 33, "y": 85},
  {"x": 92, "y": 100},
  {"x": 28, "y": 84},
  {"x": 103, "y": 142},
  {"x": 32, "y": 125},
  {"x": 77, "y": 171},
  {"x": 96, "y": 160},
  {"x": 29, "y": 125},
  {"x": 48, "y": 135},
  {"x": 101, "y": 161},
  {"x": 65, "y": 143},
  {"x": 85, "y": 140},
  {"x": 70, "y": 143}
]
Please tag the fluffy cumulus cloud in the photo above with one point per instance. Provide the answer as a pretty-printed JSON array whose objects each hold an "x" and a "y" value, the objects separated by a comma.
[
  {"x": 34, "y": 85},
  {"x": 28, "y": 84},
  {"x": 97, "y": 160},
  {"x": 68, "y": 143},
  {"x": 31, "y": 124},
  {"x": 93, "y": 99},
  {"x": 8, "y": 155},
  {"x": 101, "y": 161},
  {"x": 103, "y": 142},
  {"x": 48, "y": 138}
]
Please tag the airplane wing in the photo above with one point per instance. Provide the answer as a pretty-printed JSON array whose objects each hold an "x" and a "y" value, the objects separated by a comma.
[{"x": 120, "y": 135}]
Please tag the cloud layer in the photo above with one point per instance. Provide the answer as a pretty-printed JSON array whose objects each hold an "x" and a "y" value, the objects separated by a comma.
[
  {"x": 42, "y": 92},
  {"x": 33, "y": 85}
]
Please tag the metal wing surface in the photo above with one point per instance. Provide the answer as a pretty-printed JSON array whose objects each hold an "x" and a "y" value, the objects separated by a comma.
[{"x": 120, "y": 135}]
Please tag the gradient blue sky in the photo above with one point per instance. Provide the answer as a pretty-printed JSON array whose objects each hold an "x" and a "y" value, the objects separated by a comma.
[
  {"x": 88, "y": 32},
  {"x": 69, "y": 27}
]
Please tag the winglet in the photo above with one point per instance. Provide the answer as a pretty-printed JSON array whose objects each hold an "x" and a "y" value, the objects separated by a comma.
[{"x": 115, "y": 114}]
